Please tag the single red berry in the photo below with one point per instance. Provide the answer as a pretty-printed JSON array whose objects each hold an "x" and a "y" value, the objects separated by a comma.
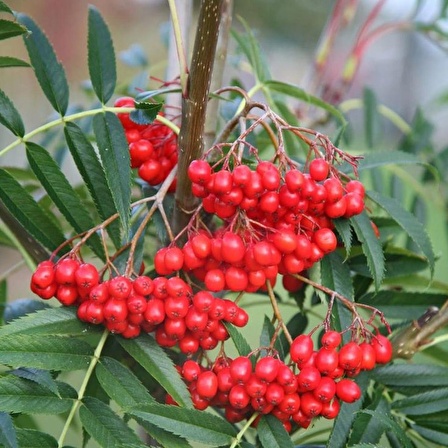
[
  {"x": 64, "y": 273},
  {"x": 383, "y": 349},
  {"x": 143, "y": 285},
  {"x": 241, "y": 369},
  {"x": 44, "y": 275},
  {"x": 301, "y": 349},
  {"x": 348, "y": 391},
  {"x": 330, "y": 410},
  {"x": 87, "y": 276},
  {"x": 331, "y": 339},
  {"x": 325, "y": 390},
  {"x": 319, "y": 169},
  {"x": 267, "y": 368},
  {"x": 120, "y": 287},
  {"x": 350, "y": 356}
]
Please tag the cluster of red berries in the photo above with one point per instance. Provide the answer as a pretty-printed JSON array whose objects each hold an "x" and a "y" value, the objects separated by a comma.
[
  {"x": 274, "y": 225},
  {"x": 152, "y": 148},
  {"x": 269, "y": 386},
  {"x": 127, "y": 306}
]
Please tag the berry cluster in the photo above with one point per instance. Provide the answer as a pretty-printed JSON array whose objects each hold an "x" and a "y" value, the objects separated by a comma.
[
  {"x": 152, "y": 148},
  {"x": 269, "y": 386},
  {"x": 276, "y": 222},
  {"x": 127, "y": 306}
]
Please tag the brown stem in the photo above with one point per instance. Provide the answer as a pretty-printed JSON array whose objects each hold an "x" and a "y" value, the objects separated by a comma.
[
  {"x": 277, "y": 313},
  {"x": 194, "y": 107}
]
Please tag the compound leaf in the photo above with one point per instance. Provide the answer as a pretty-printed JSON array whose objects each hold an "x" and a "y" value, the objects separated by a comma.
[{"x": 272, "y": 434}]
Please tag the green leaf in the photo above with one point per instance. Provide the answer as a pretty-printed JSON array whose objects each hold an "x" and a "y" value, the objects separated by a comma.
[
  {"x": 165, "y": 438},
  {"x": 408, "y": 223},
  {"x": 378, "y": 158},
  {"x": 335, "y": 274},
  {"x": 238, "y": 339},
  {"x": 19, "y": 395},
  {"x": 267, "y": 333},
  {"x": 156, "y": 362},
  {"x": 114, "y": 152},
  {"x": 371, "y": 117},
  {"x": 272, "y": 434},
  {"x": 49, "y": 321},
  {"x": 121, "y": 384},
  {"x": 9, "y": 117},
  {"x": 345, "y": 232},
  {"x": 371, "y": 246},
  {"x": 45, "y": 352},
  {"x": 250, "y": 47},
  {"x": 48, "y": 69},
  {"x": 3, "y": 300},
  {"x": 30, "y": 438},
  {"x": 403, "y": 304},
  {"x": 398, "y": 263},
  {"x": 28, "y": 213},
  {"x": 62, "y": 194},
  {"x": 5, "y": 8},
  {"x": 344, "y": 421},
  {"x": 365, "y": 428},
  {"x": 145, "y": 112},
  {"x": 10, "y": 29},
  {"x": 412, "y": 375},
  {"x": 424, "y": 403},
  {"x": 189, "y": 423},
  {"x": 101, "y": 57},
  {"x": 8, "y": 61},
  {"x": 389, "y": 422},
  {"x": 93, "y": 175},
  {"x": 431, "y": 434},
  {"x": 41, "y": 377},
  {"x": 106, "y": 427},
  {"x": 8, "y": 436},
  {"x": 300, "y": 94}
]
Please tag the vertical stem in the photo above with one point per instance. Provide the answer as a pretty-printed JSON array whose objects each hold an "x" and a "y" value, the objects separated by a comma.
[{"x": 194, "y": 107}]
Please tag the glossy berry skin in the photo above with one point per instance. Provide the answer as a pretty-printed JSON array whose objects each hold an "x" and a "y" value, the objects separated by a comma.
[
  {"x": 301, "y": 349},
  {"x": 331, "y": 339},
  {"x": 350, "y": 356},
  {"x": 319, "y": 169},
  {"x": 267, "y": 368},
  {"x": 241, "y": 369},
  {"x": 207, "y": 384},
  {"x": 383, "y": 349},
  {"x": 348, "y": 391}
]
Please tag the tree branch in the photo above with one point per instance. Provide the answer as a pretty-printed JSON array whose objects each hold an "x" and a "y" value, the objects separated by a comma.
[{"x": 194, "y": 107}]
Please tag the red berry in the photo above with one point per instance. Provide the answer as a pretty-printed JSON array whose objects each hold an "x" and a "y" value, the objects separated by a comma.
[
  {"x": 383, "y": 349},
  {"x": 350, "y": 356},
  {"x": 267, "y": 368},
  {"x": 241, "y": 369},
  {"x": 319, "y": 169},
  {"x": 301, "y": 349},
  {"x": 207, "y": 384},
  {"x": 331, "y": 339},
  {"x": 348, "y": 391}
]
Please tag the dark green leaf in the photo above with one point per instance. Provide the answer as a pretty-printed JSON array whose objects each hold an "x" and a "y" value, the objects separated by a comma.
[
  {"x": 389, "y": 422},
  {"x": 28, "y": 213},
  {"x": 156, "y": 362},
  {"x": 272, "y": 434},
  {"x": 5, "y": 8},
  {"x": 114, "y": 152},
  {"x": 8, "y": 436},
  {"x": 433, "y": 435},
  {"x": 45, "y": 352},
  {"x": 300, "y": 94},
  {"x": 145, "y": 112},
  {"x": 121, "y": 384},
  {"x": 48, "y": 69},
  {"x": 41, "y": 377},
  {"x": 238, "y": 339},
  {"x": 30, "y": 438},
  {"x": 49, "y": 321},
  {"x": 365, "y": 428},
  {"x": 345, "y": 232},
  {"x": 344, "y": 421},
  {"x": 106, "y": 427},
  {"x": 101, "y": 57},
  {"x": 9, "y": 117},
  {"x": 93, "y": 175},
  {"x": 266, "y": 336},
  {"x": 408, "y": 223},
  {"x": 8, "y": 61},
  {"x": 371, "y": 246},
  {"x": 62, "y": 194},
  {"x": 371, "y": 117},
  {"x": 424, "y": 403},
  {"x": 335, "y": 274},
  {"x": 19, "y": 307},
  {"x": 403, "y": 304},
  {"x": 189, "y": 423},
  {"x": 165, "y": 438},
  {"x": 398, "y": 263},
  {"x": 412, "y": 375},
  {"x": 10, "y": 29},
  {"x": 19, "y": 395}
]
